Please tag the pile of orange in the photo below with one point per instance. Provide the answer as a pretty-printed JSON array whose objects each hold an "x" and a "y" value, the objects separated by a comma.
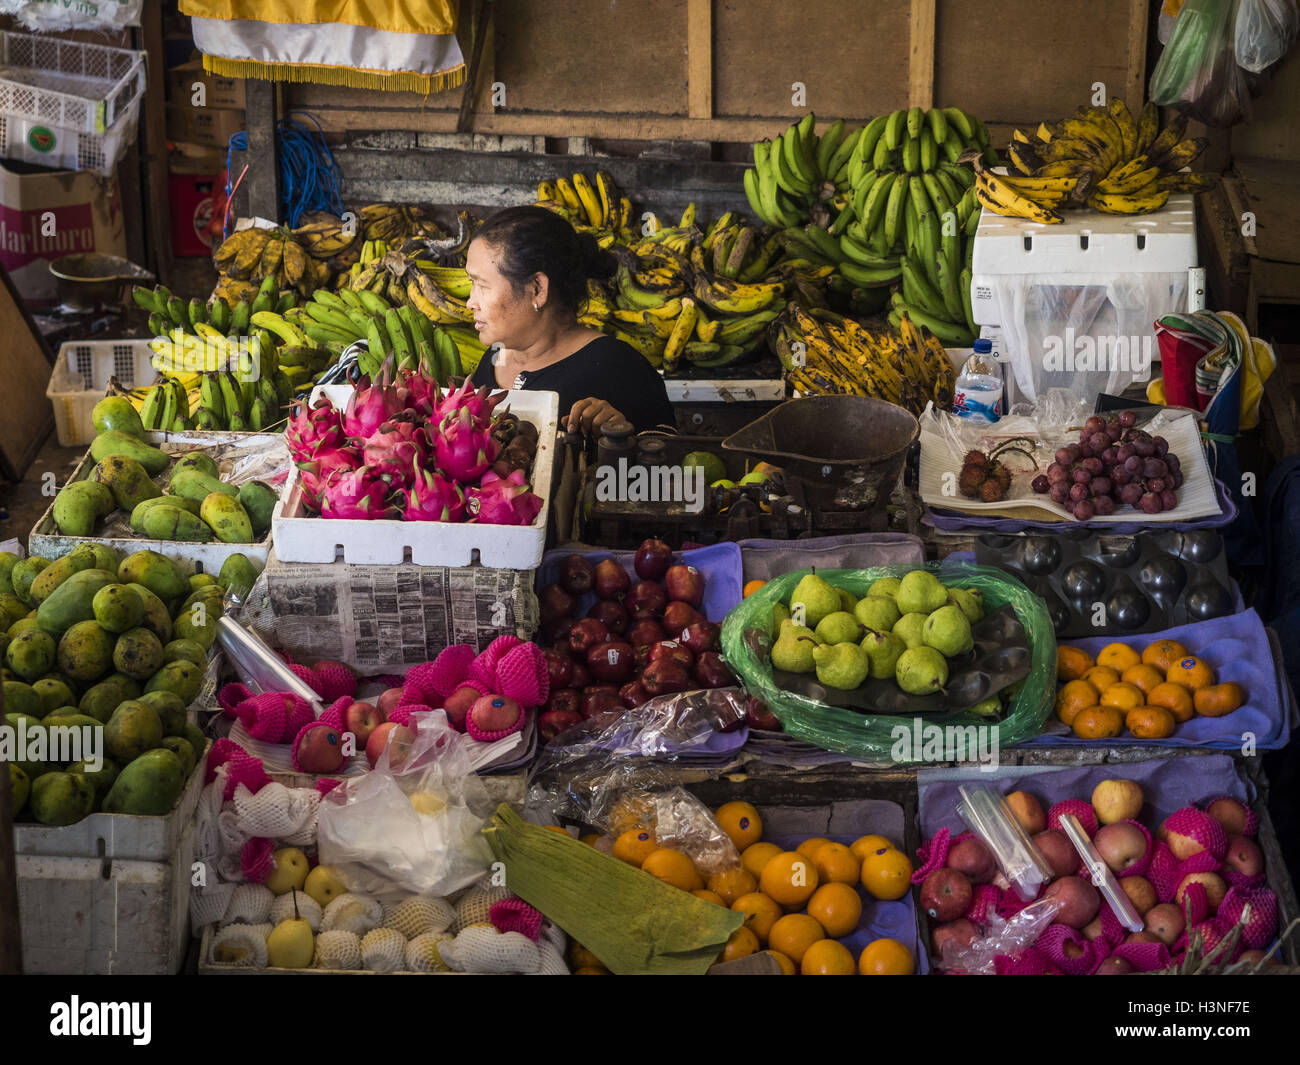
[{"x": 1149, "y": 694}]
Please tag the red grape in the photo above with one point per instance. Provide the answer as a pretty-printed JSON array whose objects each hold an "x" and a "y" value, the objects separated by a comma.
[
  {"x": 1057, "y": 474},
  {"x": 1078, "y": 492},
  {"x": 1095, "y": 424},
  {"x": 1124, "y": 452},
  {"x": 1099, "y": 442},
  {"x": 1113, "y": 432},
  {"x": 1082, "y": 510},
  {"x": 1082, "y": 476},
  {"x": 1133, "y": 464},
  {"x": 1063, "y": 456},
  {"x": 1162, "y": 445},
  {"x": 1103, "y": 505},
  {"x": 1154, "y": 468},
  {"x": 1110, "y": 456},
  {"x": 1176, "y": 479},
  {"x": 1156, "y": 484},
  {"x": 1151, "y": 503},
  {"x": 1041, "y": 484},
  {"x": 1144, "y": 448},
  {"x": 1130, "y": 494},
  {"x": 1101, "y": 486},
  {"x": 1120, "y": 476},
  {"x": 1127, "y": 419},
  {"x": 1168, "y": 498},
  {"x": 1094, "y": 466},
  {"x": 1060, "y": 492}
]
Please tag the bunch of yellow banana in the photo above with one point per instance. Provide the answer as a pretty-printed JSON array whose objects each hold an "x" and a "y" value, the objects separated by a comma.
[
  {"x": 597, "y": 207},
  {"x": 328, "y": 237},
  {"x": 395, "y": 224},
  {"x": 824, "y": 353},
  {"x": 1116, "y": 164},
  {"x": 255, "y": 254}
]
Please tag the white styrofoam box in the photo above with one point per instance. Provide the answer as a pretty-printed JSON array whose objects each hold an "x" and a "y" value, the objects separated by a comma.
[
  {"x": 48, "y": 542},
  {"x": 740, "y": 391},
  {"x": 428, "y": 543},
  {"x": 79, "y": 380}
]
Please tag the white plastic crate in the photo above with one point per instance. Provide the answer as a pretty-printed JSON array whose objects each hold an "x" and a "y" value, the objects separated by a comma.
[
  {"x": 299, "y": 538},
  {"x": 80, "y": 380}
]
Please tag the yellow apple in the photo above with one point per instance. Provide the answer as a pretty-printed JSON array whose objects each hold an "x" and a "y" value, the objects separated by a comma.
[
  {"x": 290, "y": 872},
  {"x": 1117, "y": 800},
  {"x": 323, "y": 886}
]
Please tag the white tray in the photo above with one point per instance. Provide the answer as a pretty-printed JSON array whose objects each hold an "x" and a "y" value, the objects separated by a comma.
[{"x": 299, "y": 538}]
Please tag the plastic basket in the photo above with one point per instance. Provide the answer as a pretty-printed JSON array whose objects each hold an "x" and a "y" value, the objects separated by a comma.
[{"x": 80, "y": 380}]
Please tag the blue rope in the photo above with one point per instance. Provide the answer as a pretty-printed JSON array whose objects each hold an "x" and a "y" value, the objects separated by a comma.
[{"x": 309, "y": 176}]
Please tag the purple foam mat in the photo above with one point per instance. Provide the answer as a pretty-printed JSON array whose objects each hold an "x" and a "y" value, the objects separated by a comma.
[
  {"x": 764, "y": 559},
  {"x": 1237, "y": 648}
]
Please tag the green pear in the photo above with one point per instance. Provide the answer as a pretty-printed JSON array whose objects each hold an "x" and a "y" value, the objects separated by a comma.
[
  {"x": 844, "y": 666},
  {"x": 885, "y": 586},
  {"x": 291, "y": 944},
  {"x": 990, "y": 707},
  {"x": 921, "y": 671},
  {"x": 948, "y": 631},
  {"x": 920, "y": 592},
  {"x": 877, "y": 612},
  {"x": 840, "y": 627},
  {"x": 780, "y": 613},
  {"x": 793, "y": 650},
  {"x": 971, "y": 601},
  {"x": 909, "y": 627},
  {"x": 847, "y": 600},
  {"x": 818, "y": 599},
  {"x": 884, "y": 650}
]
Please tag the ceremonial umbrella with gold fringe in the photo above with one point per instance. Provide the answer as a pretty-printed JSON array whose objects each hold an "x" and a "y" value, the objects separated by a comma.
[{"x": 395, "y": 45}]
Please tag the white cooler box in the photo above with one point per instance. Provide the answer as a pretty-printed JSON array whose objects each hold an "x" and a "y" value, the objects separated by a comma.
[{"x": 1074, "y": 305}]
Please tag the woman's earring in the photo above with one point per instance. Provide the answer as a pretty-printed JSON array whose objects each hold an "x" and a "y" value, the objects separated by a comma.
[{"x": 536, "y": 308}]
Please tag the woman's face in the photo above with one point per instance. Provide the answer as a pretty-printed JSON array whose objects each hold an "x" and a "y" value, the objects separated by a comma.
[{"x": 501, "y": 315}]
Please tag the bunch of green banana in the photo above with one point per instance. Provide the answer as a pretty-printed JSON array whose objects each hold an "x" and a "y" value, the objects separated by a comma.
[
  {"x": 1100, "y": 157},
  {"x": 165, "y": 406},
  {"x": 168, "y": 312},
  {"x": 597, "y": 207},
  {"x": 228, "y": 402}
]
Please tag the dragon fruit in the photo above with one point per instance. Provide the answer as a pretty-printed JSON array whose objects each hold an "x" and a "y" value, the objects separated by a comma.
[
  {"x": 396, "y": 451},
  {"x": 422, "y": 393},
  {"x": 325, "y": 460},
  {"x": 356, "y": 494},
  {"x": 369, "y": 407},
  {"x": 464, "y": 450},
  {"x": 480, "y": 403},
  {"x": 504, "y": 500},
  {"x": 319, "y": 425},
  {"x": 433, "y": 498}
]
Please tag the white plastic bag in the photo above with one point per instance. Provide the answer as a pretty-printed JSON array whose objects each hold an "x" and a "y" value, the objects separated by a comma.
[{"x": 1264, "y": 32}]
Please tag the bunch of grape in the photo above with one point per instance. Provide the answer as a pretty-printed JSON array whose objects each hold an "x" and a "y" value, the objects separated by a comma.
[{"x": 1113, "y": 464}]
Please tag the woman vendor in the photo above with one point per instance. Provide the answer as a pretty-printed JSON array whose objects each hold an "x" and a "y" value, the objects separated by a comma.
[{"x": 529, "y": 269}]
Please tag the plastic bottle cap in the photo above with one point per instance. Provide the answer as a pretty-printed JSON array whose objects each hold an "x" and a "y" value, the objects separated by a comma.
[{"x": 983, "y": 345}]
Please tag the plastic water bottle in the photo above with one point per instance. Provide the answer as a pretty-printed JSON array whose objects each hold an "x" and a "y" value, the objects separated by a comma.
[{"x": 978, "y": 394}]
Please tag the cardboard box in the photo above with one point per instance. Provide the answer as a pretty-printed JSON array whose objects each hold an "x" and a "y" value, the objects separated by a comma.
[
  {"x": 211, "y": 126},
  {"x": 194, "y": 198},
  {"x": 186, "y": 158},
  {"x": 217, "y": 91},
  {"x": 45, "y": 214}
]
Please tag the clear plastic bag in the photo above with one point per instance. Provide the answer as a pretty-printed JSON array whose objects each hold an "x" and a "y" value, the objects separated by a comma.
[
  {"x": 1198, "y": 72},
  {"x": 413, "y": 823},
  {"x": 1264, "y": 32},
  {"x": 1004, "y": 937}
]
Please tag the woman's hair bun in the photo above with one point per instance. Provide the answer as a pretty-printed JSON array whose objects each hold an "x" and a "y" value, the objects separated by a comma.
[{"x": 599, "y": 263}]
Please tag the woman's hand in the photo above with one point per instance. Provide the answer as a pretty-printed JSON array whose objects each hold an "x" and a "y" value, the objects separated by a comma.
[{"x": 589, "y": 415}]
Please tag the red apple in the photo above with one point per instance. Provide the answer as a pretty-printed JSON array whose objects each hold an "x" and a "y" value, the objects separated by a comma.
[
  {"x": 555, "y": 603},
  {"x": 679, "y": 616},
  {"x": 610, "y": 613},
  {"x": 1055, "y": 846},
  {"x": 611, "y": 661},
  {"x": 1230, "y": 813},
  {"x": 1165, "y": 922},
  {"x": 1141, "y": 937},
  {"x": 685, "y": 584},
  {"x": 647, "y": 599},
  {"x": 712, "y": 672},
  {"x": 396, "y": 738},
  {"x": 320, "y": 750},
  {"x": 1081, "y": 900},
  {"x": 1092, "y": 929},
  {"x": 759, "y": 716},
  {"x": 612, "y": 581},
  {"x": 973, "y": 859},
  {"x": 493, "y": 713},
  {"x": 553, "y": 722},
  {"x": 1244, "y": 856},
  {"x": 581, "y": 674},
  {"x": 1114, "y": 966},
  {"x": 598, "y": 698},
  {"x": 701, "y": 636},
  {"x": 644, "y": 632},
  {"x": 672, "y": 649},
  {"x": 633, "y": 695},
  {"x": 1215, "y": 888},
  {"x": 945, "y": 894},
  {"x": 361, "y": 719},
  {"x": 577, "y": 575},
  {"x": 388, "y": 701},
  {"x": 1028, "y": 811},
  {"x": 586, "y": 634},
  {"x": 333, "y": 663},
  {"x": 456, "y": 706},
  {"x": 557, "y": 631},
  {"x": 664, "y": 676},
  {"x": 1120, "y": 844},
  {"x": 565, "y": 700},
  {"x": 559, "y": 667},
  {"x": 960, "y": 932},
  {"x": 651, "y": 560}
]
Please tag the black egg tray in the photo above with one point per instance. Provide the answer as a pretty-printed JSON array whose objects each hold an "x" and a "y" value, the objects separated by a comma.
[
  {"x": 999, "y": 659},
  {"x": 1146, "y": 582}
]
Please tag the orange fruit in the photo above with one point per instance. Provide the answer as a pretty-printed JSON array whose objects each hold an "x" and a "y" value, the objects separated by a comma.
[
  {"x": 887, "y": 874},
  {"x": 1143, "y": 677},
  {"x": 581, "y": 958},
  {"x": 1123, "y": 696},
  {"x": 826, "y": 958},
  {"x": 1150, "y": 722},
  {"x": 1098, "y": 723},
  {"x": 592, "y": 972},
  {"x": 709, "y": 896},
  {"x": 1190, "y": 672},
  {"x": 1074, "y": 697},
  {"x": 787, "y": 966},
  {"x": 757, "y": 855},
  {"x": 589, "y": 838},
  {"x": 557, "y": 828},
  {"x": 1174, "y": 698},
  {"x": 837, "y": 908},
  {"x": 885, "y": 957},
  {"x": 673, "y": 867},
  {"x": 741, "y": 823},
  {"x": 1119, "y": 656},
  {"x": 835, "y": 862},
  {"x": 740, "y": 944},
  {"x": 809, "y": 847},
  {"x": 1218, "y": 699},
  {"x": 634, "y": 846},
  {"x": 1072, "y": 662},
  {"x": 793, "y": 934},
  {"x": 760, "y": 911},
  {"x": 1163, "y": 653},
  {"x": 732, "y": 883},
  {"x": 790, "y": 879},
  {"x": 1101, "y": 677},
  {"x": 864, "y": 845},
  {"x": 751, "y": 587}
]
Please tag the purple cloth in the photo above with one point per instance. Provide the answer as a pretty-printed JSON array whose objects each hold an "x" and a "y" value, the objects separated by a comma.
[{"x": 765, "y": 559}]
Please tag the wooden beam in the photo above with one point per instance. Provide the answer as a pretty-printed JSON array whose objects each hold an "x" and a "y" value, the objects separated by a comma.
[
  {"x": 699, "y": 58},
  {"x": 479, "y": 28},
  {"x": 261, "y": 113},
  {"x": 153, "y": 148},
  {"x": 920, "y": 56},
  {"x": 1135, "y": 82}
]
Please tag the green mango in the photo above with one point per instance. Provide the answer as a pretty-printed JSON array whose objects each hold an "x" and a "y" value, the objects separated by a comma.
[
  {"x": 198, "y": 742},
  {"x": 29, "y": 729},
  {"x": 150, "y": 785},
  {"x": 156, "y": 572},
  {"x": 196, "y": 460},
  {"x": 20, "y": 786},
  {"x": 227, "y": 518},
  {"x": 11, "y": 609},
  {"x": 239, "y": 573},
  {"x": 20, "y": 698},
  {"x": 127, "y": 479},
  {"x": 22, "y": 625},
  {"x": 69, "y": 718},
  {"x": 117, "y": 413},
  {"x": 8, "y": 560},
  {"x": 143, "y": 508},
  {"x": 258, "y": 499},
  {"x": 172, "y": 523},
  {"x": 171, "y": 711},
  {"x": 60, "y": 570},
  {"x": 31, "y": 654},
  {"x": 180, "y": 747},
  {"x": 183, "y": 678},
  {"x": 195, "y": 484},
  {"x": 128, "y": 684},
  {"x": 115, "y": 442},
  {"x": 100, "y": 779},
  {"x": 86, "y": 651},
  {"x": 197, "y": 621},
  {"x": 24, "y": 573},
  {"x": 73, "y": 600},
  {"x": 201, "y": 580},
  {"x": 138, "y": 654},
  {"x": 105, "y": 557},
  {"x": 185, "y": 651},
  {"x": 157, "y": 618},
  {"x": 102, "y": 699},
  {"x": 133, "y": 729},
  {"x": 54, "y": 693},
  {"x": 79, "y": 506},
  {"x": 118, "y": 607},
  {"x": 61, "y": 798}
]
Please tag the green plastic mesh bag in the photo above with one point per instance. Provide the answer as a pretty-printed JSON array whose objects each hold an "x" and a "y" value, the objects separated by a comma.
[{"x": 747, "y": 634}]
